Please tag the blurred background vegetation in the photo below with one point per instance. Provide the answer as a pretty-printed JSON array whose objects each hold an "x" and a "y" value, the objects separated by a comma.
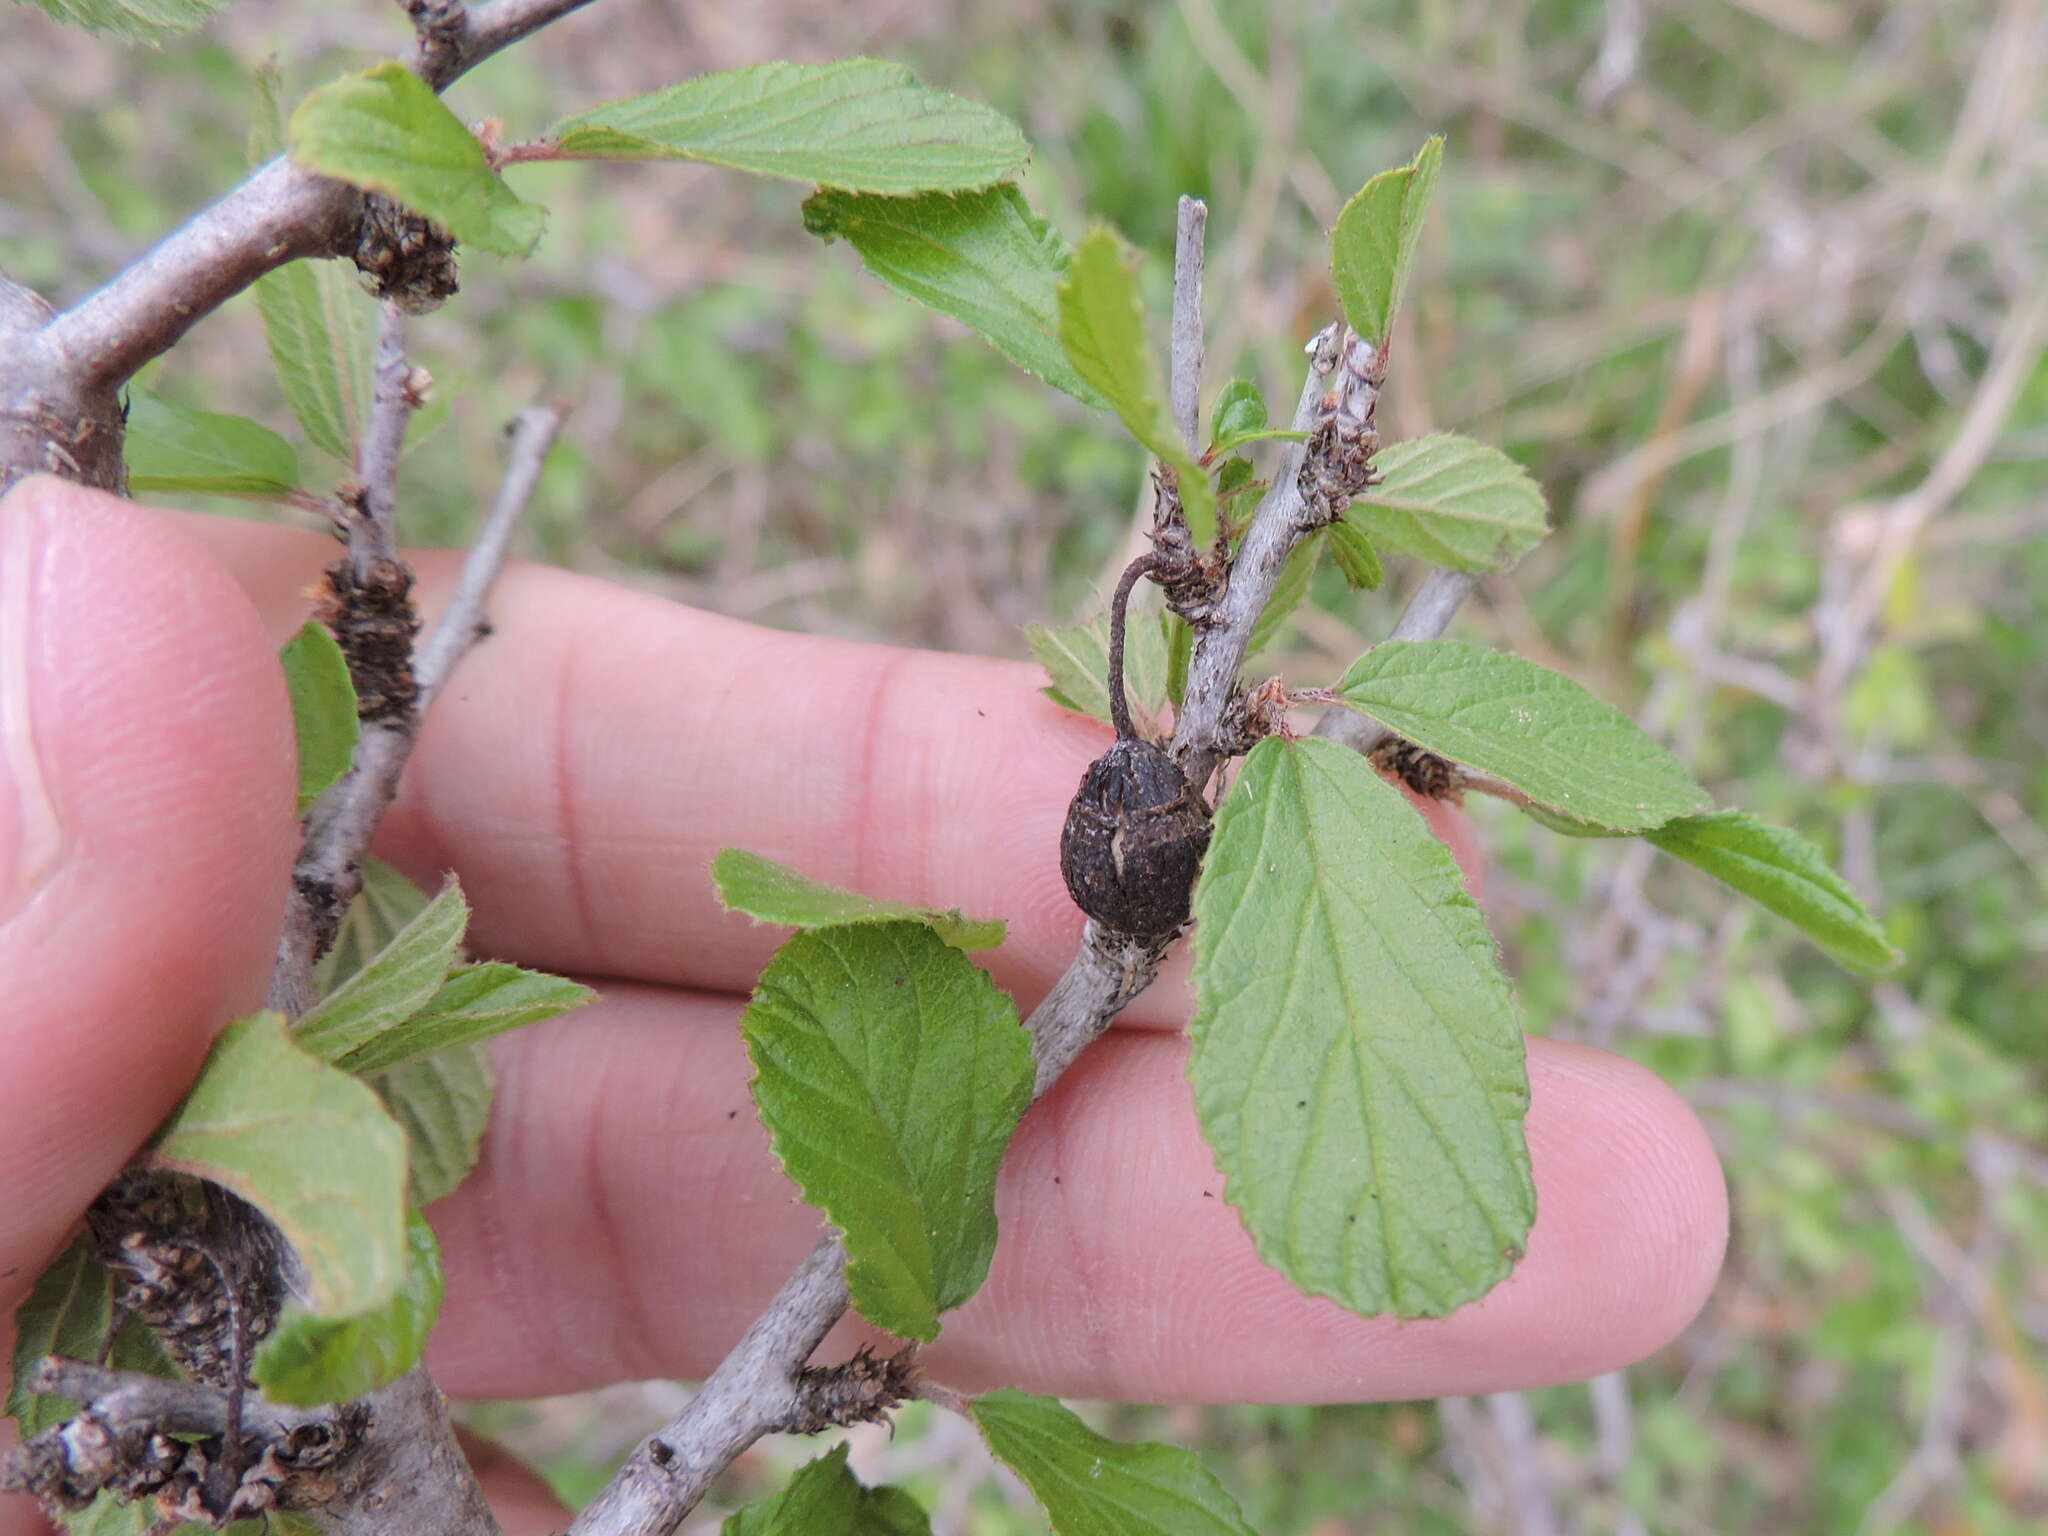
[{"x": 1758, "y": 289}]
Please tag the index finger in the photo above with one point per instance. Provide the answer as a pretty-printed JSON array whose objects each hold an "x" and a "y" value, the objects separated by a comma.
[{"x": 590, "y": 757}]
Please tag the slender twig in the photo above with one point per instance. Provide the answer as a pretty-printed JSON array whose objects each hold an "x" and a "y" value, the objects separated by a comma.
[
  {"x": 1185, "y": 382},
  {"x": 279, "y": 214},
  {"x": 1428, "y": 615},
  {"x": 1202, "y": 733},
  {"x": 339, "y": 828},
  {"x": 372, "y": 537},
  {"x": 174, "y": 1407},
  {"x": 530, "y": 435}
]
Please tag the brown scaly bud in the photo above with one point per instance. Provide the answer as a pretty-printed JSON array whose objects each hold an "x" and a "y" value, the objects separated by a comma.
[
  {"x": 1432, "y": 777},
  {"x": 1136, "y": 829}
]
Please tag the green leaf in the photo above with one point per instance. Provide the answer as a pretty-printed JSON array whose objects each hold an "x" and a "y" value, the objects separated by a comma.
[
  {"x": 1102, "y": 329},
  {"x": 1096, "y": 1487},
  {"x": 982, "y": 258},
  {"x": 1534, "y": 728},
  {"x": 142, "y": 21},
  {"x": 1239, "y": 418},
  {"x": 323, "y": 709},
  {"x": 1240, "y": 411},
  {"x": 1355, "y": 1054},
  {"x": 317, "y": 347},
  {"x": 1452, "y": 502},
  {"x": 393, "y": 987},
  {"x": 825, "y": 1496},
  {"x": 1372, "y": 246},
  {"x": 313, "y": 1360},
  {"x": 1076, "y": 660},
  {"x": 385, "y": 130},
  {"x": 890, "y": 1073},
  {"x": 170, "y": 448},
  {"x": 774, "y": 893},
  {"x": 313, "y": 313},
  {"x": 388, "y": 902},
  {"x": 1288, "y": 592},
  {"x": 474, "y": 1003},
  {"x": 1784, "y": 873},
  {"x": 1356, "y": 557},
  {"x": 68, "y": 1313},
  {"x": 309, "y": 1147},
  {"x": 444, "y": 1103},
  {"x": 863, "y": 125}
]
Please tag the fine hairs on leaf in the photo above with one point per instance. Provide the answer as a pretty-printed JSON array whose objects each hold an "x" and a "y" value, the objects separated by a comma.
[
  {"x": 1092, "y": 1486},
  {"x": 890, "y": 1074},
  {"x": 860, "y": 125},
  {"x": 982, "y": 258},
  {"x": 1359, "y": 1073}
]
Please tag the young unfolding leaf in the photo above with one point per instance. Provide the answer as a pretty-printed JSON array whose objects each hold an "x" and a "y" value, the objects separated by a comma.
[
  {"x": 313, "y": 1360},
  {"x": 864, "y": 125},
  {"x": 1240, "y": 417},
  {"x": 474, "y": 1003},
  {"x": 1102, "y": 329},
  {"x": 387, "y": 903},
  {"x": 323, "y": 709},
  {"x": 1783, "y": 872},
  {"x": 1091, "y": 1486},
  {"x": 826, "y": 1496},
  {"x": 1356, "y": 1058},
  {"x": 1372, "y": 246},
  {"x": 1076, "y": 660},
  {"x": 68, "y": 1313},
  {"x": 1534, "y": 728},
  {"x": 982, "y": 258},
  {"x": 444, "y": 1103},
  {"x": 171, "y": 448},
  {"x": 890, "y": 1073},
  {"x": 397, "y": 984},
  {"x": 1355, "y": 556},
  {"x": 774, "y": 893},
  {"x": 311, "y": 1148},
  {"x": 1452, "y": 502},
  {"x": 142, "y": 21},
  {"x": 1239, "y": 412},
  {"x": 385, "y": 130}
]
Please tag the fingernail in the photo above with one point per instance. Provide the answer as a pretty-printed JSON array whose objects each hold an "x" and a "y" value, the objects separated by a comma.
[{"x": 30, "y": 835}]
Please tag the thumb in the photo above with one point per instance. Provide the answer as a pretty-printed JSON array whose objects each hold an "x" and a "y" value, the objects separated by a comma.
[{"x": 146, "y": 833}]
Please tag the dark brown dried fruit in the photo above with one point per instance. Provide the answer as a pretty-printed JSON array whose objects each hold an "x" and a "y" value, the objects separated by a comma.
[
  {"x": 1134, "y": 840},
  {"x": 1137, "y": 828}
]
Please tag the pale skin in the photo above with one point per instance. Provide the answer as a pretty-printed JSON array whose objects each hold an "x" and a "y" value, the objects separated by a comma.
[{"x": 627, "y": 1219}]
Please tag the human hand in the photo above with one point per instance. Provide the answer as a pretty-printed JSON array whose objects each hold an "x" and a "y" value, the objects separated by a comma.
[{"x": 627, "y": 1219}]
